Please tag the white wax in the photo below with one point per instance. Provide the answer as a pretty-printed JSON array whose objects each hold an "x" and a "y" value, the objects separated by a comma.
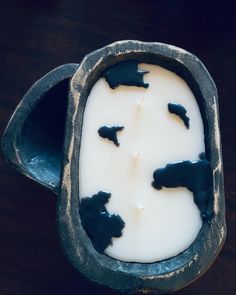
[{"x": 159, "y": 224}]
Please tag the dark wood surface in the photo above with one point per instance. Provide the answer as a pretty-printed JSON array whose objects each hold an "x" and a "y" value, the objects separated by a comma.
[{"x": 37, "y": 36}]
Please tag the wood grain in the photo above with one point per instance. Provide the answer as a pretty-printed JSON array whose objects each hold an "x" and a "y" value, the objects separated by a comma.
[{"x": 37, "y": 36}]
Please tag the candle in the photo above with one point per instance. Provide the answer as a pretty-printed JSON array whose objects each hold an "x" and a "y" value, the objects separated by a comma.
[
  {"x": 136, "y": 183},
  {"x": 133, "y": 127}
]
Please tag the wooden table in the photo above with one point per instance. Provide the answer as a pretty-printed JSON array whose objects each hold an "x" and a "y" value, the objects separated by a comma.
[{"x": 37, "y": 36}]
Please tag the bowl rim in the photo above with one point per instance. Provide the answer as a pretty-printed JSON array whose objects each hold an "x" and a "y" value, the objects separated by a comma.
[{"x": 167, "y": 275}]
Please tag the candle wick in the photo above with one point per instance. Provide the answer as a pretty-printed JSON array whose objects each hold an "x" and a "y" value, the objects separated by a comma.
[
  {"x": 140, "y": 103},
  {"x": 136, "y": 158},
  {"x": 139, "y": 208},
  {"x": 137, "y": 155}
]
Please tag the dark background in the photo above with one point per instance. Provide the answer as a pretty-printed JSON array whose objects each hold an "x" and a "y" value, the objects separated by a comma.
[{"x": 35, "y": 37}]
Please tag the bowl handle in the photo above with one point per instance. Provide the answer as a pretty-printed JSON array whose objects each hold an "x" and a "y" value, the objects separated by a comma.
[{"x": 33, "y": 140}]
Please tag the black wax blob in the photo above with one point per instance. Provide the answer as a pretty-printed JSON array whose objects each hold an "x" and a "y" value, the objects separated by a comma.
[
  {"x": 98, "y": 223},
  {"x": 180, "y": 111},
  {"x": 125, "y": 73},
  {"x": 202, "y": 156},
  {"x": 110, "y": 133},
  {"x": 196, "y": 176}
]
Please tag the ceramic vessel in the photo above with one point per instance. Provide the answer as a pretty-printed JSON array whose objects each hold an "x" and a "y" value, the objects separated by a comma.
[{"x": 34, "y": 145}]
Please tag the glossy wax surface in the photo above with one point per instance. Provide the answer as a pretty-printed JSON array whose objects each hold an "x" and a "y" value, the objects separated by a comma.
[{"x": 159, "y": 224}]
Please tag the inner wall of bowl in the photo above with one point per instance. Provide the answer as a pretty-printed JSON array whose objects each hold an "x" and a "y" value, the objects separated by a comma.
[{"x": 42, "y": 135}]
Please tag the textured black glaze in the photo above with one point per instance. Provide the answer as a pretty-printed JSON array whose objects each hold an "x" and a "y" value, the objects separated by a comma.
[
  {"x": 180, "y": 111},
  {"x": 98, "y": 223},
  {"x": 196, "y": 176},
  {"x": 125, "y": 73},
  {"x": 110, "y": 133}
]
